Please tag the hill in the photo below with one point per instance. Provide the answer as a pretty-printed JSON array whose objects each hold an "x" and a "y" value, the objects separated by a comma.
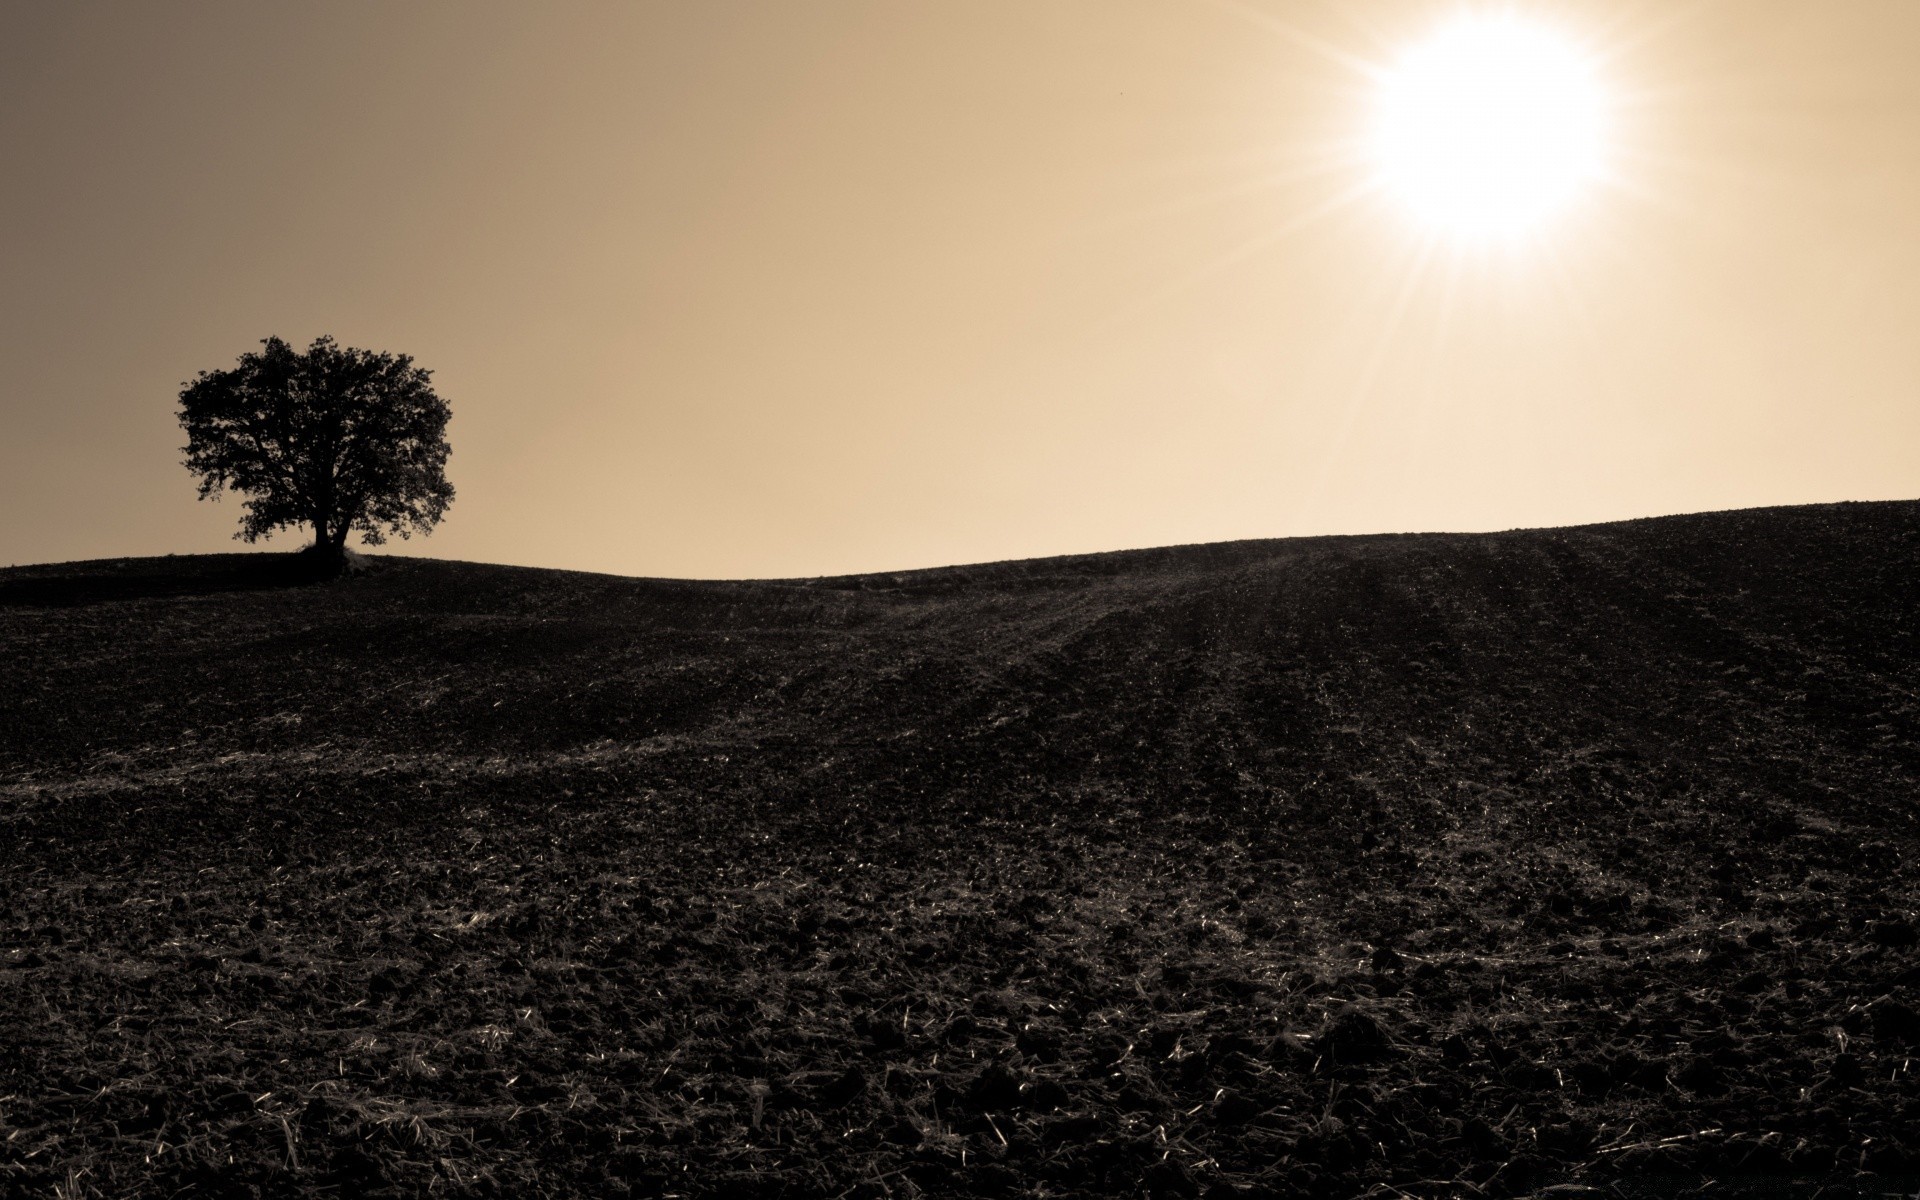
[{"x": 1442, "y": 862}]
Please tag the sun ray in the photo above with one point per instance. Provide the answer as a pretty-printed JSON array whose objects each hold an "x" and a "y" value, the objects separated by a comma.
[
  {"x": 1360, "y": 394},
  {"x": 1346, "y": 199},
  {"x": 1330, "y": 166},
  {"x": 1293, "y": 33}
]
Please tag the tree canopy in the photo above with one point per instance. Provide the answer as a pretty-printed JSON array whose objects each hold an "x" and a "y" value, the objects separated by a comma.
[{"x": 336, "y": 438}]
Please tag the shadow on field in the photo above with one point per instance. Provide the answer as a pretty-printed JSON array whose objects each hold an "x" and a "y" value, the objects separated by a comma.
[{"x": 106, "y": 580}]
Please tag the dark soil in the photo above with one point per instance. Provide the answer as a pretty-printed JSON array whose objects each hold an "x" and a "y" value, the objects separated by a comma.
[{"x": 1421, "y": 865}]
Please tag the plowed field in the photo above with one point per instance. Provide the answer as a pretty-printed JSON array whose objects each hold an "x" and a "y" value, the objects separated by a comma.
[{"x": 1417, "y": 865}]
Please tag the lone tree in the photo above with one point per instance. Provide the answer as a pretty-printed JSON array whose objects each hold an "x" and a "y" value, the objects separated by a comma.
[{"x": 336, "y": 438}]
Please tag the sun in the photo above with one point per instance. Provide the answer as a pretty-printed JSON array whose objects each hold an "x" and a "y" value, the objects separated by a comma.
[{"x": 1489, "y": 128}]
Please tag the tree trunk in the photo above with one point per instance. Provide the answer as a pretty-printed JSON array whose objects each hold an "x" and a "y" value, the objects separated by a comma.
[{"x": 328, "y": 553}]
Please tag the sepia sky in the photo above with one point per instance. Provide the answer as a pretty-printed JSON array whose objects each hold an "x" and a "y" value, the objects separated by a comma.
[{"x": 780, "y": 289}]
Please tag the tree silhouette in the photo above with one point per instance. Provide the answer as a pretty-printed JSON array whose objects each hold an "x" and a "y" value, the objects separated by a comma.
[{"x": 340, "y": 439}]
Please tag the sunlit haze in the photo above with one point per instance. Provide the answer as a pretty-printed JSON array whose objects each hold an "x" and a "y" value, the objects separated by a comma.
[{"x": 728, "y": 289}]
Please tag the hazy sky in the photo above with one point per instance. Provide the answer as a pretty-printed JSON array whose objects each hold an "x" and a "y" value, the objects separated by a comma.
[{"x": 797, "y": 288}]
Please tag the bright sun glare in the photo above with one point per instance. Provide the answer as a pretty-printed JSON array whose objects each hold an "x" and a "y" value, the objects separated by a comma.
[{"x": 1490, "y": 127}]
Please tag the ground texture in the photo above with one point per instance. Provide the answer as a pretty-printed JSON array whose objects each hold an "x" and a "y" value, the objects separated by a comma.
[{"x": 1425, "y": 865}]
